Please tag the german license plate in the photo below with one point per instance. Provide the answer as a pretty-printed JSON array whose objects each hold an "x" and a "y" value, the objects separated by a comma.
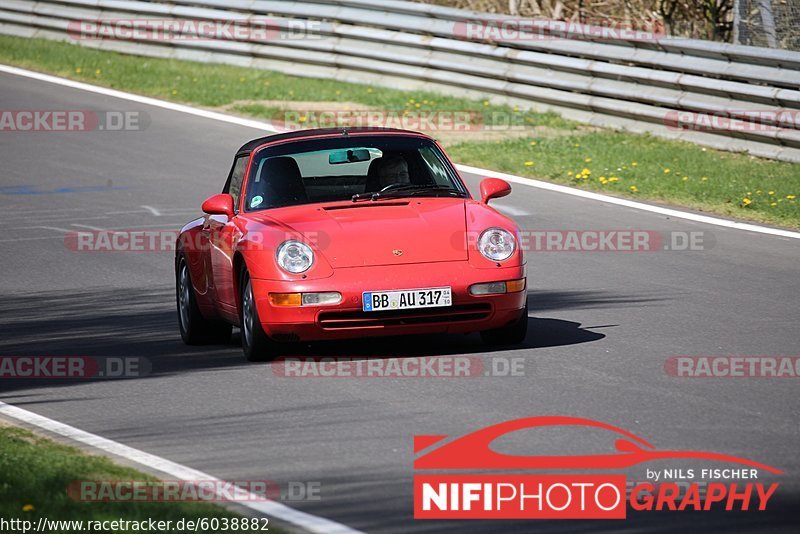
[{"x": 407, "y": 299}]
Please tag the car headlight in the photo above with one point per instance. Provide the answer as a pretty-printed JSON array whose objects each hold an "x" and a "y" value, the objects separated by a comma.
[
  {"x": 496, "y": 244},
  {"x": 295, "y": 257}
]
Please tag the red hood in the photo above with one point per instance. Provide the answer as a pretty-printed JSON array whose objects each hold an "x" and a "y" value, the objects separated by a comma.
[{"x": 386, "y": 232}]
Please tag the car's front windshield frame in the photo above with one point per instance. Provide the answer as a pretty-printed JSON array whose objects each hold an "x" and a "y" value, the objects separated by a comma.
[{"x": 394, "y": 141}]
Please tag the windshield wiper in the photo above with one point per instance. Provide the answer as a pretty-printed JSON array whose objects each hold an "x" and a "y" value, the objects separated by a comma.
[{"x": 406, "y": 190}]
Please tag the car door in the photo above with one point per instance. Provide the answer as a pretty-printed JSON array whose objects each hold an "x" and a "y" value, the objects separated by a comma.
[{"x": 221, "y": 234}]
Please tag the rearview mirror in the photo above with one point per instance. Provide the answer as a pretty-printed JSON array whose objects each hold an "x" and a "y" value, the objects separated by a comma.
[
  {"x": 221, "y": 204},
  {"x": 349, "y": 156},
  {"x": 494, "y": 188}
]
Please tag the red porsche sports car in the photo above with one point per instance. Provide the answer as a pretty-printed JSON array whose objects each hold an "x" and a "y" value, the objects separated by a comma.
[{"x": 330, "y": 234}]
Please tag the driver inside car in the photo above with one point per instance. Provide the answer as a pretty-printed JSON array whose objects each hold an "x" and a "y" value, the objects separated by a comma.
[{"x": 393, "y": 170}]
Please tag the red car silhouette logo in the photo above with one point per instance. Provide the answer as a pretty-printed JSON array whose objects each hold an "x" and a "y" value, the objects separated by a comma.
[{"x": 473, "y": 451}]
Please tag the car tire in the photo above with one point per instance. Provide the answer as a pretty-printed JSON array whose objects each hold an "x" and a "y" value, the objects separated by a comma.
[
  {"x": 256, "y": 345},
  {"x": 195, "y": 329},
  {"x": 512, "y": 334}
]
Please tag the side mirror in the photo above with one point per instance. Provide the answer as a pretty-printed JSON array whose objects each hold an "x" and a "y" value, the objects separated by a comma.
[
  {"x": 494, "y": 188},
  {"x": 221, "y": 204}
]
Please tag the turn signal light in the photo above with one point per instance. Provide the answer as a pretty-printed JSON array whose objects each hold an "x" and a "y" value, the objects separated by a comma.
[
  {"x": 286, "y": 299},
  {"x": 497, "y": 288},
  {"x": 305, "y": 299}
]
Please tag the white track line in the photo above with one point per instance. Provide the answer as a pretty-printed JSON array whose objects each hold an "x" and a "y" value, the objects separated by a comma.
[
  {"x": 630, "y": 203},
  {"x": 54, "y": 228},
  {"x": 261, "y": 125},
  {"x": 152, "y": 210},
  {"x": 274, "y": 509},
  {"x": 511, "y": 210}
]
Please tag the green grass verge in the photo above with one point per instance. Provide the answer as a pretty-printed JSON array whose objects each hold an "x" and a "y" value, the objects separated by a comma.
[
  {"x": 623, "y": 164},
  {"x": 35, "y": 473},
  {"x": 650, "y": 168}
]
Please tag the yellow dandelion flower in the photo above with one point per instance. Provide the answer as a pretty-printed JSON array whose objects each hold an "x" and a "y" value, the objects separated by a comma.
[
  {"x": 773, "y": 204},
  {"x": 667, "y": 171},
  {"x": 486, "y": 103},
  {"x": 301, "y": 118},
  {"x": 516, "y": 108},
  {"x": 528, "y": 163},
  {"x": 746, "y": 201},
  {"x": 791, "y": 197},
  {"x": 613, "y": 179},
  {"x": 78, "y": 70},
  {"x": 577, "y": 145},
  {"x": 634, "y": 189},
  {"x": 241, "y": 78},
  {"x": 685, "y": 178},
  {"x": 634, "y": 164},
  {"x": 770, "y": 192},
  {"x": 533, "y": 143},
  {"x": 174, "y": 91},
  {"x": 578, "y": 176},
  {"x": 28, "y": 508},
  {"x": 98, "y": 72},
  {"x": 369, "y": 89},
  {"x": 588, "y": 160},
  {"x": 704, "y": 178}
]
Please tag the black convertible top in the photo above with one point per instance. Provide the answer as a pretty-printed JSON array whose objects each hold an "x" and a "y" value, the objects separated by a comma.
[{"x": 301, "y": 134}]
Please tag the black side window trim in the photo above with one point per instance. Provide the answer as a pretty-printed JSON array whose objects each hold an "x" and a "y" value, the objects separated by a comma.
[{"x": 227, "y": 187}]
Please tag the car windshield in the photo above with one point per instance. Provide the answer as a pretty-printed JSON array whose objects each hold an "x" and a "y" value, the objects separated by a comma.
[{"x": 349, "y": 168}]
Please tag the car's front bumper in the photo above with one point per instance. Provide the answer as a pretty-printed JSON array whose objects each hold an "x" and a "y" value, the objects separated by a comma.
[{"x": 468, "y": 313}]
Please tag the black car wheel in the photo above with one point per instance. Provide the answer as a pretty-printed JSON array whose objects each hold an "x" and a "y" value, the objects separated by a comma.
[
  {"x": 257, "y": 346},
  {"x": 195, "y": 329}
]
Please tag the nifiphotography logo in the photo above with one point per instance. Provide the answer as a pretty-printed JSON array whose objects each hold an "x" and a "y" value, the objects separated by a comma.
[{"x": 513, "y": 495}]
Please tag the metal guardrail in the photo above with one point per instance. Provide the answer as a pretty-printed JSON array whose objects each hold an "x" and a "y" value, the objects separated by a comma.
[{"x": 639, "y": 85}]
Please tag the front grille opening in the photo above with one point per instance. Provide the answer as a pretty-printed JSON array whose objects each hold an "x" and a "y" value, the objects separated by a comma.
[{"x": 339, "y": 320}]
